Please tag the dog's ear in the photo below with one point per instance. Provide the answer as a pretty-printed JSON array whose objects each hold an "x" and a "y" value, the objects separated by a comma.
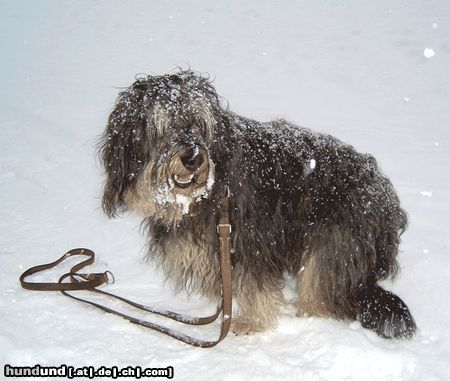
[{"x": 124, "y": 147}]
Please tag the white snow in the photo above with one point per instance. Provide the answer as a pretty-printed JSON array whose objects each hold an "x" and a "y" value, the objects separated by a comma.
[
  {"x": 341, "y": 67},
  {"x": 163, "y": 194},
  {"x": 184, "y": 202},
  {"x": 428, "y": 52},
  {"x": 210, "y": 180}
]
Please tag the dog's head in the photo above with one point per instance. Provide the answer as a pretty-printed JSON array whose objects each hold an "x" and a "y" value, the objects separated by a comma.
[{"x": 157, "y": 145}]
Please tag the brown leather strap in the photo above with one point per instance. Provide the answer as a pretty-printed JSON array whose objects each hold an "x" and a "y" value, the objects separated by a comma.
[
  {"x": 224, "y": 231},
  {"x": 90, "y": 282}
]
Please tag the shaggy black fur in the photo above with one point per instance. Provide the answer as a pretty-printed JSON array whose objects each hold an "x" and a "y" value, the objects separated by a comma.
[{"x": 301, "y": 201}]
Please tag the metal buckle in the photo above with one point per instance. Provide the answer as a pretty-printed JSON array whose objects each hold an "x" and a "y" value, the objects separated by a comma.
[{"x": 223, "y": 225}]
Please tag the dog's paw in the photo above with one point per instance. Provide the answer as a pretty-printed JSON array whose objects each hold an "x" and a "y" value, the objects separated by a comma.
[
  {"x": 386, "y": 314},
  {"x": 243, "y": 326}
]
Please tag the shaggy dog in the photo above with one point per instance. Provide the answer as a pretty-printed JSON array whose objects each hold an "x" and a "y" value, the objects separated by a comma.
[{"x": 302, "y": 203}]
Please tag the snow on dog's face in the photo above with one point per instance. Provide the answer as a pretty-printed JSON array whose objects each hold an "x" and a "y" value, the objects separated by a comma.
[{"x": 156, "y": 148}]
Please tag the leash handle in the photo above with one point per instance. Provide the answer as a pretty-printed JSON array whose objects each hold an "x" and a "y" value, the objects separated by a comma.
[{"x": 90, "y": 282}]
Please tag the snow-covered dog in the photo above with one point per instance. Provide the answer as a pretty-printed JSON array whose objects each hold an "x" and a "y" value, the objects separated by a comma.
[{"x": 302, "y": 203}]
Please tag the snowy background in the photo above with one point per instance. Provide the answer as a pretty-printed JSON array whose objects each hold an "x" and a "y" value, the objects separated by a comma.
[{"x": 376, "y": 74}]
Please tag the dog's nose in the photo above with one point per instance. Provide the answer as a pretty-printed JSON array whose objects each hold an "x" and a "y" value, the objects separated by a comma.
[{"x": 192, "y": 158}]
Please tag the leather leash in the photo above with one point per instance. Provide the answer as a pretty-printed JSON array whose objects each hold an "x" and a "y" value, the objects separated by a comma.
[{"x": 90, "y": 282}]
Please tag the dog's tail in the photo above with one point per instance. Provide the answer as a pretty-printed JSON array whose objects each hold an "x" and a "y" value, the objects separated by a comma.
[{"x": 384, "y": 312}]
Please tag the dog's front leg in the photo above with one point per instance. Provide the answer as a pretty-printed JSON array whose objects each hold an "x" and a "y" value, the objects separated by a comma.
[{"x": 258, "y": 307}]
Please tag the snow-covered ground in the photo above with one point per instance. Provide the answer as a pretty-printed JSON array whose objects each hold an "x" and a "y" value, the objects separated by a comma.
[{"x": 374, "y": 73}]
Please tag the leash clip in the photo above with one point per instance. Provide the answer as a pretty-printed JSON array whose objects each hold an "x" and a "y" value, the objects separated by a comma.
[{"x": 110, "y": 277}]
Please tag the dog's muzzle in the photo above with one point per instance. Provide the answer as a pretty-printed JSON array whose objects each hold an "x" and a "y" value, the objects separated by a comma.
[{"x": 193, "y": 160}]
